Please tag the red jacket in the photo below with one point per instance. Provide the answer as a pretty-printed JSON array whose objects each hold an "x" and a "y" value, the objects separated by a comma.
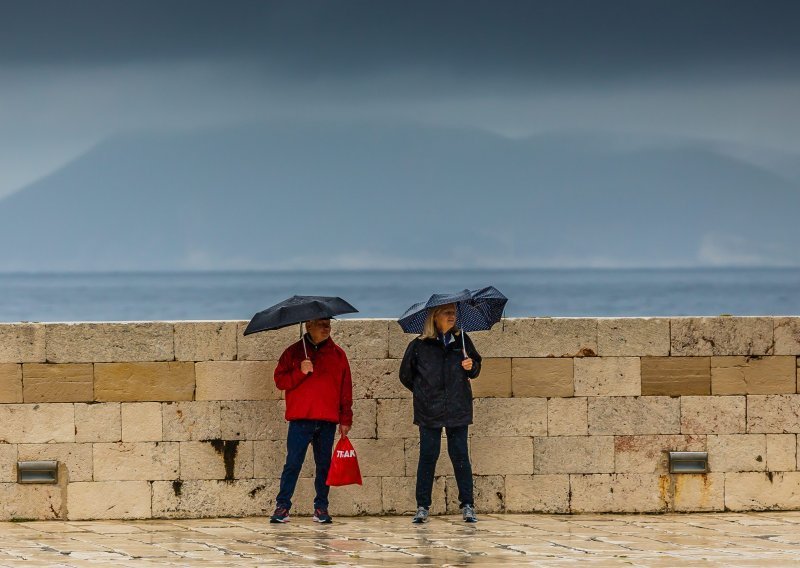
[{"x": 326, "y": 394}]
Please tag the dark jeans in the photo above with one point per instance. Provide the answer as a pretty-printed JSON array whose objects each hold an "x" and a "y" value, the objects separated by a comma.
[
  {"x": 320, "y": 435},
  {"x": 430, "y": 441}
]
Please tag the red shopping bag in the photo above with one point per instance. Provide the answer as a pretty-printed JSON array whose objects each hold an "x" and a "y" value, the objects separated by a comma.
[{"x": 344, "y": 464}]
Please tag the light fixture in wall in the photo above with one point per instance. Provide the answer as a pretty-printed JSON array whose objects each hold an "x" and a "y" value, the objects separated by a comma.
[
  {"x": 45, "y": 471},
  {"x": 688, "y": 462}
]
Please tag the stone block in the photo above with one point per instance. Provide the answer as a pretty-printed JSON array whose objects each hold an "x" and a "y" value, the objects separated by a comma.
[
  {"x": 205, "y": 340},
  {"x": 619, "y": 493},
  {"x": 365, "y": 419},
  {"x": 269, "y": 456},
  {"x": 703, "y": 336},
  {"x": 537, "y": 493},
  {"x": 143, "y": 382},
  {"x": 650, "y": 454},
  {"x": 395, "y": 418},
  {"x": 398, "y": 341},
  {"x": 632, "y": 337},
  {"x": 492, "y": 343},
  {"x": 380, "y": 457},
  {"x": 488, "y": 492},
  {"x": 352, "y": 500},
  {"x": 634, "y": 415},
  {"x": 567, "y": 417},
  {"x": 398, "y": 495},
  {"x": 362, "y": 338},
  {"x": 509, "y": 417},
  {"x": 141, "y": 422},
  {"x": 108, "y": 500},
  {"x": 10, "y": 383},
  {"x": 25, "y": 502},
  {"x": 8, "y": 463},
  {"x": 501, "y": 455},
  {"x": 236, "y": 380},
  {"x": 264, "y": 345},
  {"x": 22, "y": 343},
  {"x": 781, "y": 452},
  {"x": 135, "y": 461},
  {"x": 196, "y": 498},
  {"x": 253, "y": 420},
  {"x": 37, "y": 423},
  {"x": 787, "y": 336},
  {"x": 737, "y": 452},
  {"x": 713, "y": 415},
  {"x": 76, "y": 458},
  {"x": 494, "y": 380},
  {"x": 216, "y": 459},
  {"x": 550, "y": 337},
  {"x": 109, "y": 342},
  {"x": 99, "y": 422},
  {"x": 753, "y": 375},
  {"x": 573, "y": 454},
  {"x": 198, "y": 420},
  {"x": 760, "y": 491},
  {"x": 377, "y": 378},
  {"x": 698, "y": 492},
  {"x": 542, "y": 377},
  {"x": 607, "y": 376},
  {"x": 773, "y": 414},
  {"x": 676, "y": 376},
  {"x": 443, "y": 465},
  {"x": 64, "y": 382}
]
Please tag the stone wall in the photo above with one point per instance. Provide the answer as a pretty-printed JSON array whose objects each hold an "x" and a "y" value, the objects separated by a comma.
[{"x": 182, "y": 419}]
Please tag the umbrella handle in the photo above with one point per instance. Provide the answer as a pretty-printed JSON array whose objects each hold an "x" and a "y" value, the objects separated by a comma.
[
  {"x": 303, "y": 339},
  {"x": 463, "y": 341}
]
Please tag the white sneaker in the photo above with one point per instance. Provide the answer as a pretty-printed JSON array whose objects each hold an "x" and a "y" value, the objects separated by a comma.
[
  {"x": 468, "y": 512},
  {"x": 421, "y": 516}
]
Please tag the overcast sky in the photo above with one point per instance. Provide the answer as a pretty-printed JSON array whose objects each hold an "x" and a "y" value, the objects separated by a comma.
[{"x": 73, "y": 73}]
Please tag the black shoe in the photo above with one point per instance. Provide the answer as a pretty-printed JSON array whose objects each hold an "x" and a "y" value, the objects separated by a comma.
[
  {"x": 281, "y": 515},
  {"x": 322, "y": 516}
]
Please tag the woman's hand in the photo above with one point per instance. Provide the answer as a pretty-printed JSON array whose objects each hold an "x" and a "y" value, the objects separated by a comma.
[
  {"x": 306, "y": 366},
  {"x": 343, "y": 430},
  {"x": 467, "y": 364}
]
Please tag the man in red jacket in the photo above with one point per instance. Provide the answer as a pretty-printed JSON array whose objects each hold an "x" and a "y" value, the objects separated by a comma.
[{"x": 319, "y": 395}]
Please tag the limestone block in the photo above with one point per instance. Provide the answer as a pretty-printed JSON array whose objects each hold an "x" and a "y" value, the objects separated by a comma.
[
  {"x": 351, "y": 500},
  {"x": 573, "y": 454},
  {"x": 76, "y": 458},
  {"x": 216, "y": 459},
  {"x": 632, "y": 337},
  {"x": 753, "y": 375},
  {"x": 64, "y": 382},
  {"x": 25, "y": 502},
  {"x": 191, "y": 420},
  {"x": 773, "y": 414},
  {"x": 135, "y": 382},
  {"x": 509, "y": 417},
  {"x": 253, "y": 420},
  {"x": 698, "y": 492},
  {"x": 108, "y": 500},
  {"x": 362, "y": 338},
  {"x": 10, "y": 382},
  {"x": 501, "y": 455},
  {"x": 607, "y": 376},
  {"x": 264, "y": 345},
  {"x": 398, "y": 341},
  {"x": 135, "y": 461},
  {"x": 542, "y": 377},
  {"x": 675, "y": 376},
  {"x": 205, "y": 340},
  {"x": 395, "y": 418},
  {"x": 236, "y": 380},
  {"x": 737, "y": 452},
  {"x": 213, "y": 498},
  {"x": 99, "y": 422},
  {"x": 619, "y": 493},
  {"x": 721, "y": 336},
  {"x": 634, "y": 415},
  {"x": 781, "y": 452},
  {"x": 22, "y": 343},
  {"x": 398, "y": 495},
  {"x": 37, "y": 423},
  {"x": 365, "y": 419},
  {"x": 550, "y": 337},
  {"x": 443, "y": 465},
  {"x": 488, "y": 492},
  {"x": 494, "y": 380},
  {"x": 713, "y": 415},
  {"x": 8, "y": 463},
  {"x": 787, "y": 336},
  {"x": 269, "y": 457},
  {"x": 537, "y": 493},
  {"x": 380, "y": 457},
  {"x": 492, "y": 343},
  {"x": 759, "y": 491},
  {"x": 567, "y": 417},
  {"x": 141, "y": 422},
  {"x": 650, "y": 454},
  {"x": 109, "y": 342},
  {"x": 377, "y": 378}
]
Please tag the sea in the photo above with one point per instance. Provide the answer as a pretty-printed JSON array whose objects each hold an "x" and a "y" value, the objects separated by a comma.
[{"x": 145, "y": 296}]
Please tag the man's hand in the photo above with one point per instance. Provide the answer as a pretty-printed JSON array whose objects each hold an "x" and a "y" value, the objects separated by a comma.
[
  {"x": 467, "y": 364},
  {"x": 343, "y": 430},
  {"x": 306, "y": 366}
]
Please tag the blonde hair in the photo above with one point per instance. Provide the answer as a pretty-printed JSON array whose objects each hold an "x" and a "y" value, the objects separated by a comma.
[{"x": 429, "y": 329}]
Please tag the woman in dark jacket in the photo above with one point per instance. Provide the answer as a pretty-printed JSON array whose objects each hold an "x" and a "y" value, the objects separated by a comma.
[{"x": 437, "y": 369}]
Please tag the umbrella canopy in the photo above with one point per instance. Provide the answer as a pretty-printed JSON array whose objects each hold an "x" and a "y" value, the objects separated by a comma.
[
  {"x": 477, "y": 310},
  {"x": 298, "y": 309}
]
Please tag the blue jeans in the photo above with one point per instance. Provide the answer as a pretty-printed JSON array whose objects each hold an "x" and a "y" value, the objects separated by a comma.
[
  {"x": 430, "y": 441},
  {"x": 320, "y": 435}
]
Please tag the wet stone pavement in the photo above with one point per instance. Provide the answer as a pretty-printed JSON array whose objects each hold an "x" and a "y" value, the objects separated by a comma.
[{"x": 723, "y": 539}]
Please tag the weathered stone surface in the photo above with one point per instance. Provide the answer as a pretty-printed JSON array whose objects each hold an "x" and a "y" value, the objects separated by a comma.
[
  {"x": 619, "y": 493},
  {"x": 362, "y": 338},
  {"x": 140, "y": 382},
  {"x": 443, "y": 465},
  {"x": 501, "y": 455},
  {"x": 488, "y": 490},
  {"x": 22, "y": 343},
  {"x": 135, "y": 461},
  {"x": 398, "y": 495},
  {"x": 37, "y": 423},
  {"x": 377, "y": 378},
  {"x": 737, "y": 452},
  {"x": 550, "y": 337},
  {"x": 567, "y": 417},
  {"x": 721, "y": 336},
  {"x": 380, "y": 457},
  {"x": 269, "y": 456},
  {"x": 10, "y": 383},
  {"x": 216, "y": 459},
  {"x": 491, "y": 343},
  {"x": 542, "y": 377},
  {"x": 120, "y": 500},
  {"x": 398, "y": 341},
  {"x": 191, "y": 420},
  {"x": 8, "y": 463},
  {"x": 350, "y": 500},
  {"x": 213, "y": 498},
  {"x": 634, "y": 415},
  {"x": 77, "y": 458},
  {"x": 787, "y": 336},
  {"x": 205, "y": 340},
  {"x": 509, "y": 417},
  {"x": 773, "y": 414},
  {"x": 753, "y": 375},
  {"x": 25, "y": 502},
  {"x": 759, "y": 491},
  {"x": 573, "y": 454},
  {"x": 607, "y": 376},
  {"x": 650, "y": 454},
  {"x": 98, "y": 422},
  {"x": 365, "y": 419},
  {"x": 396, "y": 418},
  {"x": 700, "y": 492},
  {"x": 495, "y": 378},
  {"x": 675, "y": 376},
  {"x": 109, "y": 342},
  {"x": 253, "y": 420},
  {"x": 264, "y": 345},
  {"x": 713, "y": 415},
  {"x": 65, "y": 382},
  {"x": 236, "y": 380},
  {"x": 141, "y": 422},
  {"x": 632, "y": 337},
  {"x": 781, "y": 452},
  {"x": 537, "y": 493}
]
